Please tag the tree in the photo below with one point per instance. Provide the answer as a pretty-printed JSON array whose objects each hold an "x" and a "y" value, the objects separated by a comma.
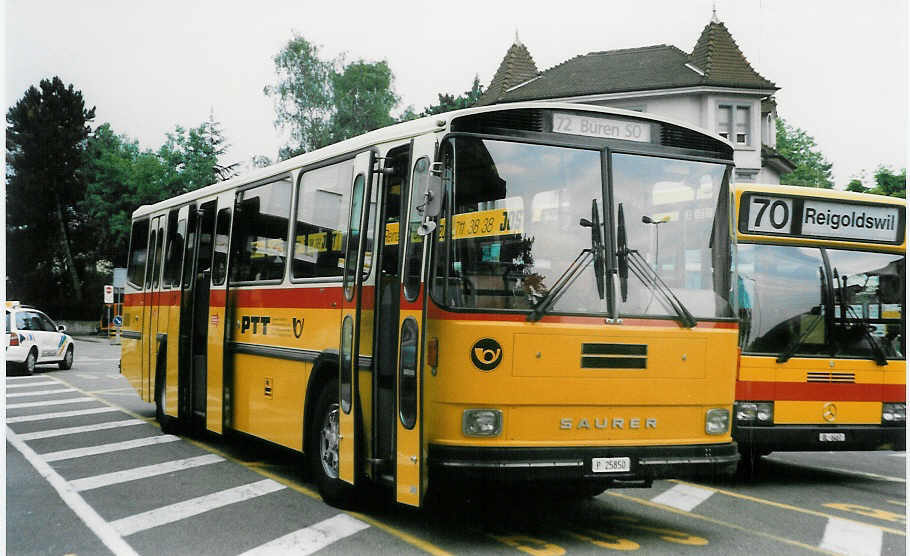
[
  {"x": 320, "y": 102},
  {"x": 120, "y": 177},
  {"x": 363, "y": 99},
  {"x": 112, "y": 184},
  {"x": 889, "y": 183},
  {"x": 812, "y": 169},
  {"x": 857, "y": 186},
  {"x": 45, "y": 137},
  {"x": 190, "y": 159},
  {"x": 302, "y": 96},
  {"x": 448, "y": 102}
]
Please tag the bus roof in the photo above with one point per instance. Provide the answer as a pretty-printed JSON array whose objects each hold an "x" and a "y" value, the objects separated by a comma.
[
  {"x": 396, "y": 132},
  {"x": 851, "y": 227}
]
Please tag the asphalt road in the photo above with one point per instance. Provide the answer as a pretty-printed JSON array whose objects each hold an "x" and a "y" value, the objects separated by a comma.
[{"x": 89, "y": 472}]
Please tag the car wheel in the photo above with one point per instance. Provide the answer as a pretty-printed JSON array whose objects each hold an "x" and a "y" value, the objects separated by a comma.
[
  {"x": 67, "y": 362},
  {"x": 323, "y": 449},
  {"x": 30, "y": 361}
]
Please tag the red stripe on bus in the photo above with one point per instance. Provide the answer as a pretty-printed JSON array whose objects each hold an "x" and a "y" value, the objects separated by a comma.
[{"x": 814, "y": 391}]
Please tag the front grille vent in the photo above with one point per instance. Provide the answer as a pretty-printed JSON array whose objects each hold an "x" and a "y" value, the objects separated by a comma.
[
  {"x": 824, "y": 376},
  {"x": 529, "y": 119},
  {"x": 614, "y": 356}
]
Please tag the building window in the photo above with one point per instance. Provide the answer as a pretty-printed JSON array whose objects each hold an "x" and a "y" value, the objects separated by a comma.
[{"x": 733, "y": 123}]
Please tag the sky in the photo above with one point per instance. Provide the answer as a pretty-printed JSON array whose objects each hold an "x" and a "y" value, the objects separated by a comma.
[{"x": 146, "y": 67}]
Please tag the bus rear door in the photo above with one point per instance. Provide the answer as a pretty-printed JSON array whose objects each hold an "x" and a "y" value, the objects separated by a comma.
[{"x": 151, "y": 299}]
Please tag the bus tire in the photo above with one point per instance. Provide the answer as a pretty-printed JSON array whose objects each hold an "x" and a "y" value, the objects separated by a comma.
[{"x": 323, "y": 449}]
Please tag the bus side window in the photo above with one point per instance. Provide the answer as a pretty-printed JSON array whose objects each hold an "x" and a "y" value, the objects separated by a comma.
[
  {"x": 260, "y": 246},
  {"x": 414, "y": 242},
  {"x": 138, "y": 252},
  {"x": 220, "y": 252},
  {"x": 322, "y": 220},
  {"x": 172, "y": 251}
]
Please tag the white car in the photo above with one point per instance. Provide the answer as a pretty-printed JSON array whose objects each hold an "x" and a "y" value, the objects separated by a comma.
[{"x": 34, "y": 339}]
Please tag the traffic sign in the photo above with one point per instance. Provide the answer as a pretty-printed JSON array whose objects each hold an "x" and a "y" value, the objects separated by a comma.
[
  {"x": 108, "y": 293},
  {"x": 118, "y": 321}
]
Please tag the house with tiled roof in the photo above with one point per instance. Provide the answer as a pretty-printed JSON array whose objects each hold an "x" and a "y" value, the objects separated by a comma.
[{"x": 714, "y": 87}]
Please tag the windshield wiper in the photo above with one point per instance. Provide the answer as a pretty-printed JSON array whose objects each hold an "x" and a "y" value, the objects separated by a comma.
[
  {"x": 595, "y": 254},
  {"x": 878, "y": 354},
  {"x": 575, "y": 269},
  {"x": 632, "y": 259}
]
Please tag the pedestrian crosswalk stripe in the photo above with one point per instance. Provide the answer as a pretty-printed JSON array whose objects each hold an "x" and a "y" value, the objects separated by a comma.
[
  {"x": 39, "y": 393},
  {"x": 60, "y": 414},
  {"x": 31, "y": 384},
  {"x": 683, "y": 497},
  {"x": 84, "y": 428},
  {"x": 105, "y": 448},
  {"x": 312, "y": 538},
  {"x": 195, "y": 506},
  {"x": 850, "y": 537},
  {"x": 117, "y": 477},
  {"x": 50, "y": 402},
  {"x": 101, "y": 528}
]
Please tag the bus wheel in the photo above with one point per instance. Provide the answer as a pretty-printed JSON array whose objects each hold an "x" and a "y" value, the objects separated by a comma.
[
  {"x": 323, "y": 449},
  {"x": 67, "y": 362}
]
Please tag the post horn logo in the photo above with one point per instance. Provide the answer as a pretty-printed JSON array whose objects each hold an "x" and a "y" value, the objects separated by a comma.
[
  {"x": 829, "y": 412},
  {"x": 486, "y": 354}
]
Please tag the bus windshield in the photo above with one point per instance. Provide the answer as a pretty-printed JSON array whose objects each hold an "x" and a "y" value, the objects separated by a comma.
[
  {"x": 516, "y": 227},
  {"x": 807, "y": 301}
]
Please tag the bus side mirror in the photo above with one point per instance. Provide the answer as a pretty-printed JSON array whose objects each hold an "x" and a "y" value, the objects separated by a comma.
[{"x": 433, "y": 196}]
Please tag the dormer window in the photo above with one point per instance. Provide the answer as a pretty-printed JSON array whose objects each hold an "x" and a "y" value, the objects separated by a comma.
[{"x": 733, "y": 123}]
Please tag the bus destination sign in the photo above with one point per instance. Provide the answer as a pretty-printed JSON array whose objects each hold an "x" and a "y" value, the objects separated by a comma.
[
  {"x": 822, "y": 219},
  {"x": 604, "y": 128}
]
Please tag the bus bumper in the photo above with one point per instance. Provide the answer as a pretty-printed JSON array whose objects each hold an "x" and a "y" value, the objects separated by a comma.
[
  {"x": 574, "y": 464},
  {"x": 799, "y": 438}
]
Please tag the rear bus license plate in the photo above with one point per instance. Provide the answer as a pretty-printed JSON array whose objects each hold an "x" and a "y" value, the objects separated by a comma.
[
  {"x": 832, "y": 437},
  {"x": 610, "y": 465}
]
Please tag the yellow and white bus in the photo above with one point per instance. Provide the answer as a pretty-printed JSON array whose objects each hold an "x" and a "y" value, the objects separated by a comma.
[
  {"x": 822, "y": 289},
  {"x": 530, "y": 292}
]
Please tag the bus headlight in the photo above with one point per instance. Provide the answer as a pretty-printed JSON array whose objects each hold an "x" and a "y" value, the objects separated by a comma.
[
  {"x": 481, "y": 422},
  {"x": 754, "y": 413},
  {"x": 894, "y": 413},
  {"x": 717, "y": 421}
]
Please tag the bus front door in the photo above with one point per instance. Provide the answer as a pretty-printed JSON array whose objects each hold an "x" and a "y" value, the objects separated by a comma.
[
  {"x": 349, "y": 353},
  {"x": 410, "y": 471}
]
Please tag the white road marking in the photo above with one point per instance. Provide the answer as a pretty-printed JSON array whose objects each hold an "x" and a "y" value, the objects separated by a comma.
[
  {"x": 117, "y": 477},
  {"x": 102, "y": 529},
  {"x": 29, "y": 385},
  {"x": 20, "y": 378},
  {"x": 39, "y": 393},
  {"x": 195, "y": 506},
  {"x": 105, "y": 448},
  {"x": 683, "y": 497},
  {"x": 84, "y": 428},
  {"x": 311, "y": 539},
  {"x": 899, "y": 455},
  {"x": 60, "y": 414},
  {"x": 850, "y": 537},
  {"x": 50, "y": 402}
]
